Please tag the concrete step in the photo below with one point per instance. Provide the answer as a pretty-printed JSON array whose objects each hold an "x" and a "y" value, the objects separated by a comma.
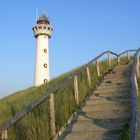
[
  {"x": 117, "y": 86},
  {"x": 91, "y": 135},
  {"x": 124, "y": 71},
  {"x": 120, "y": 70},
  {"x": 115, "y": 119},
  {"x": 108, "y": 86},
  {"x": 104, "y": 107},
  {"x": 116, "y": 77},
  {"x": 116, "y": 80},
  {"x": 115, "y": 70},
  {"x": 112, "y": 89},
  {"x": 111, "y": 96},
  {"x": 108, "y": 114},
  {"x": 123, "y": 75},
  {"x": 105, "y": 100},
  {"x": 110, "y": 93},
  {"x": 122, "y": 67},
  {"x": 100, "y": 125},
  {"x": 114, "y": 84}
]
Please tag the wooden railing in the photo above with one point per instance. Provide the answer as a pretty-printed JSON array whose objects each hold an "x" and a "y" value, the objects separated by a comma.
[
  {"x": 135, "y": 116},
  {"x": 49, "y": 95}
]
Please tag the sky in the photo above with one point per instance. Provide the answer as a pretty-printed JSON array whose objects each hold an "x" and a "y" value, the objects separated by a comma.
[{"x": 82, "y": 30}]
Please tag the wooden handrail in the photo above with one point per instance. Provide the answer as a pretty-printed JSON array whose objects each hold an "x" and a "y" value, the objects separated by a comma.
[
  {"x": 51, "y": 91},
  {"x": 127, "y": 51},
  {"x": 135, "y": 113},
  {"x": 35, "y": 103}
]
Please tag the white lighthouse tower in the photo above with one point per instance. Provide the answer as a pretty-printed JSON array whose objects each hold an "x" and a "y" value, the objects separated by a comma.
[{"x": 42, "y": 33}]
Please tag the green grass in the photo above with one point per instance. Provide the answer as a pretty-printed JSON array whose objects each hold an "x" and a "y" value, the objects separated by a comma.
[
  {"x": 125, "y": 132},
  {"x": 124, "y": 60},
  {"x": 35, "y": 125}
]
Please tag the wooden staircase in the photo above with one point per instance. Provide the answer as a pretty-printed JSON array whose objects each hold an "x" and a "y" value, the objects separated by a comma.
[{"x": 105, "y": 111}]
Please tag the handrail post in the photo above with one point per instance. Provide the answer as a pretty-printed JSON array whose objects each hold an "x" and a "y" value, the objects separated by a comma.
[
  {"x": 137, "y": 67},
  {"x": 52, "y": 114},
  {"x": 88, "y": 76},
  {"x": 76, "y": 90},
  {"x": 4, "y": 135},
  {"x": 98, "y": 69},
  {"x": 118, "y": 59},
  {"x": 109, "y": 60},
  {"x": 128, "y": 56}
]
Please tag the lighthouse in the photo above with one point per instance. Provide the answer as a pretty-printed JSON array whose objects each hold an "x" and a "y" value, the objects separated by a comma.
[{"x": 42, "y": 32}]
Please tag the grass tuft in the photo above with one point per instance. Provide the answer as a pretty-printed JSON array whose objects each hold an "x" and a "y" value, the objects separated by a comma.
[{"x": 125, "y": 132}]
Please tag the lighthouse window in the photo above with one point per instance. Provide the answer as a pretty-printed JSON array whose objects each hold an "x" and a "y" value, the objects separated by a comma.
[
  {"x": 40, "y": 27},
  {"x": 45, "y": 80},
  {"x": 45, "y": 65},
  {"x": 49, "y": 28},
  {"x": 45, "y": 50},
  {"x": 44, "y": 27}
]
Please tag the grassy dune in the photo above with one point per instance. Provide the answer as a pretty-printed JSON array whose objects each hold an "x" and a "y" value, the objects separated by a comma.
[{"x": 35, "y": 125}]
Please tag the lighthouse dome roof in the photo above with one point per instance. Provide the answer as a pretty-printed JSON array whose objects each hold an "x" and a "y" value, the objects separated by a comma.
[{"x": 43, "y": 19}]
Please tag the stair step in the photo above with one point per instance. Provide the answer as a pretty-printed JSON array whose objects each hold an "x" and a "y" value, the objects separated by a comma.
[
  {"x": 90, "y": 125},
  {"x": 101, "y": 94},
  {"x": 120, "y": 70},
  {"x": 111, "y": 98},
  {"x": 117, "y": 76},
  {"x": 113, "y": 81},
  {"x": 93, "y": 101},
  {"x": 108, "y": 114},
  {"x": 115, "y": 119},
  {"x": 111, "y": 90},
  {"x": 105, "y": 100},
  {"x": 103, "y": 107},
  {"x": 122, "y": 67},
  {"x": 104, "y": 84},
  {"x": 92, "y": 135},
  {"x": 115, "y": 87}
]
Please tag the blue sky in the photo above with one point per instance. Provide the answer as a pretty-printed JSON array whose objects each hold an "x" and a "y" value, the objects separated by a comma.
[{"x": 82, "y": 30}]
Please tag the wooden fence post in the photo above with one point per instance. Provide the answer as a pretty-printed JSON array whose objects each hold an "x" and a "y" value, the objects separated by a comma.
[
  {"x": 88, "y": 76},
  {"x": 118, "y": 58},
  {"x": 128, "y": 56},
  {"x": 109, "y": 60},
  {"x": 52, "y": 114},
  {"x": 137, "y": 67},
  {"x": 4, "y": 135},
  {"x": 97, "y": 67},
  {"x": 76, "y": 90}
]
